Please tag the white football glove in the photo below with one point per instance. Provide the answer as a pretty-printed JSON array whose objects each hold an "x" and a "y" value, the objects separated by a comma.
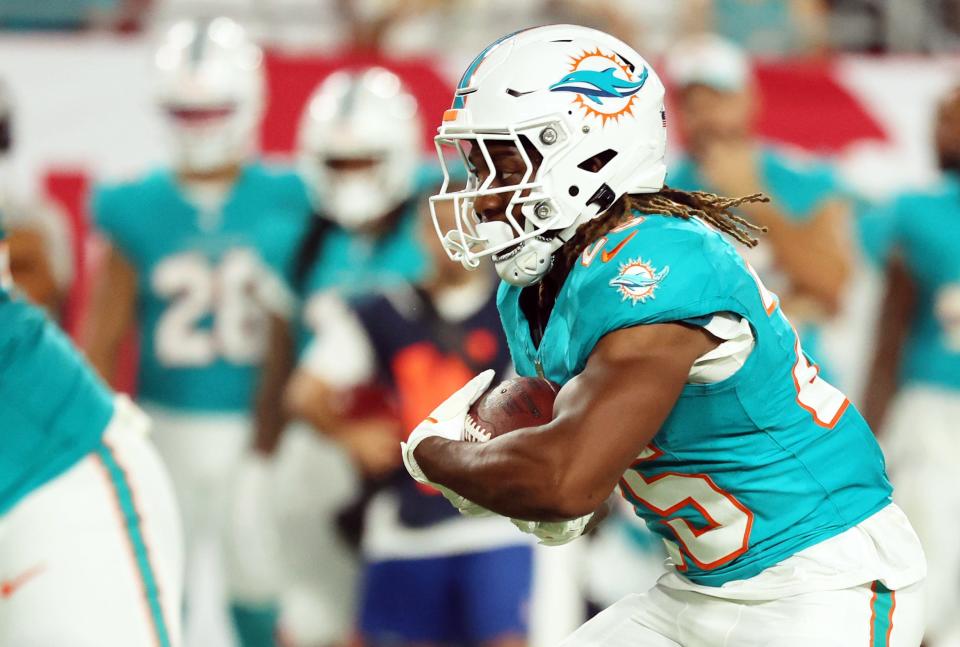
[
  {"x": 554, "y": 533},
  {"x": 447, "y": 421}
]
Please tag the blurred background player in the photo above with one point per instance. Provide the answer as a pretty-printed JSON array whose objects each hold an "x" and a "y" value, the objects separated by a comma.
[
  {"x": 717, "y": 102},
  {"x": 431, "y": 577},
  {"x": 359, "y": 146},
  {"x": 89, "y": 537},
  {"x": 913, "y": 397},
  {"x": 187, "y": 251},
  {"x": 41, "y": 258}
]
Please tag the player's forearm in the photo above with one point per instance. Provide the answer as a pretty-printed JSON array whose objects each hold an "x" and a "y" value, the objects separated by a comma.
[
  {"x": 514, "y": 475},
  {"x": 879, "y": 392},
  {"x": 111, "y": 313},
  {"x": 883, "y": 382},
  {"x": 269, "y": 415},
  {"x": 102, "y": 336},
  {"x": 895, "y": 319}
]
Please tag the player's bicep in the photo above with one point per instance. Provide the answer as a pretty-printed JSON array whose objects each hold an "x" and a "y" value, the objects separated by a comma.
[{"x": 615, "y": 407}]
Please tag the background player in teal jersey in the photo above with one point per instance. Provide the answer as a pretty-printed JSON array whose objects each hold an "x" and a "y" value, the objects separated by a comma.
[
  {"x": 807, "y": 219},
  {"x": 359, "y": 148},
  {"x": 683, "y": 382},
  {"x": 80, "y": 485},
  {"x": 188, "y": 248},
  {"x": 916, "y": 370}
]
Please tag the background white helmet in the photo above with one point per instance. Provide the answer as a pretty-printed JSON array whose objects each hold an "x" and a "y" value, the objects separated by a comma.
[
  {"x": 576, "y": 95},
  {"x": 359, "y": 145},
  {"x": 211, "y": 89}
]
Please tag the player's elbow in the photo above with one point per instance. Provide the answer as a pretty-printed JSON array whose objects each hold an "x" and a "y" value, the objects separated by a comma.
[{"x": 569, "y": 496}]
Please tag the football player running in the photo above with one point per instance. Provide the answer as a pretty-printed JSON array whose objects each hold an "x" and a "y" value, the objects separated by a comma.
[
  {"x": 684, "y": 384},
  {"x": 89, "y": 535},
  {"x": 188, "y": 250},
  {"x": 914, "y": 393}
]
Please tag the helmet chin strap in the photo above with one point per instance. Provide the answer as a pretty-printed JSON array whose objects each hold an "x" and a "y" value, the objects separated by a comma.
[{"x": 530, "y": 260}]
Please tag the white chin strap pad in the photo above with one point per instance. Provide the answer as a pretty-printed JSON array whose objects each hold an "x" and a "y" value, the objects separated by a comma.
[
  {"x": 528, "y": 264},
  {"x": 525, "y": 263}
]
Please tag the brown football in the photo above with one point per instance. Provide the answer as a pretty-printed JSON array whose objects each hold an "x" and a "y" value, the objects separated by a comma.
[{"x": 513, "y": 404}]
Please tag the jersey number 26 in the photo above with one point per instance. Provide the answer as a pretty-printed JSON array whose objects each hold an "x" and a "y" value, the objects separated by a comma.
[{"x": 213, "y": 312}]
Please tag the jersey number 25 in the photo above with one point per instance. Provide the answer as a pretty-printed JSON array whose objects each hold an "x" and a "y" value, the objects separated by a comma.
[{"x": 727, "y": 533}]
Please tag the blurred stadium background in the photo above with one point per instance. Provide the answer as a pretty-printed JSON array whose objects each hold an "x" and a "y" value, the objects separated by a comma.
[{"x": 852, "y": 83}]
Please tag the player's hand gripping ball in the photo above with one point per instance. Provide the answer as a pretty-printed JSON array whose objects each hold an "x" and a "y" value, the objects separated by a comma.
[{"x": 513, "y": 404}]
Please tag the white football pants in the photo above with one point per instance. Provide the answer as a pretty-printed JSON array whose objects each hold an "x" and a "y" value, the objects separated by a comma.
[
  {"x": 93, "y": 558},
  {"x": 867, "y": 616},
  {"x": 921, "y": 441}
]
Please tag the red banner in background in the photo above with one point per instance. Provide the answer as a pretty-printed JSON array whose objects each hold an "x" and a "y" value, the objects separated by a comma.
[
  {"x": 292, "y": 78},
  {"x": 803, "y": 104}
]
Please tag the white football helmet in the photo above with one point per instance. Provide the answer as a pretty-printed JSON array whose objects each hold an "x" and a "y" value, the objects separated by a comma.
[
  {"x": 583, "y": 99},
  {"x": 359, "y": 145},
  {"x": 211, "y": 90}
]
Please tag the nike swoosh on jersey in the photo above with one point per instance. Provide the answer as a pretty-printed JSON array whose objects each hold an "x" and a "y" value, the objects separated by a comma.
[
  {"x": 9, "y": 587},
  {"x": 605, "y": 255}
]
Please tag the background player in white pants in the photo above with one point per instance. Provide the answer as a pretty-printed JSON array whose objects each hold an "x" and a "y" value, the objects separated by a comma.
[
  {"x": 431, "y": 577},
  {"x": 90, "y": 546},
  {"x": 914, "y": 394},
  {"x": 359, "y": 147},
  {"x": 187, "y": 251}
]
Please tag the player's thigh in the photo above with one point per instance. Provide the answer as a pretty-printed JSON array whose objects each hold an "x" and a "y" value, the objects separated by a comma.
[
  {"x": 202, "y": 454},
  {"x": 923, "y": 450},
  {"x": 863, "y": 615},
  {"x": 411, "y": 601},
  {"x": 494, "y": 586},
  {"x": 96, "y": 556},
  {"x": 624, "y": 625},
  {"x": 314, "y": 480}
]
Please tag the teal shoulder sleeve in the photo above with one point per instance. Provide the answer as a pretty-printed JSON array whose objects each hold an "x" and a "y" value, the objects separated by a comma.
[
  {"x": 112, "y": 207},
  {"x": 661, "y": 270}
]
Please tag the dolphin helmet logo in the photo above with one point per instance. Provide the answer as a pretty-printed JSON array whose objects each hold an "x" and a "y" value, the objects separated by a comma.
[
  {"x": 597, "y": 85},
  {"x": 638, "y": 280},
  {"x": 602, "y": 84}
]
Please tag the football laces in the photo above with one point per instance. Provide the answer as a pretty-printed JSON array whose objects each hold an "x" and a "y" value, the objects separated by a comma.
[{"x": 473, "y": 432}]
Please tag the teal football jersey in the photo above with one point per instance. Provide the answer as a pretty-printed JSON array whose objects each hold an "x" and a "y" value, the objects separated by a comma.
[
  {"x": 354, "y": 264},
  {"x": 202, "y": 330},
  {"x": 926, "y": 234},
  {"x": 744, "y": 472},
  {"x": 797, "y": 188},
  {"x": 53, "y": 406}
]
